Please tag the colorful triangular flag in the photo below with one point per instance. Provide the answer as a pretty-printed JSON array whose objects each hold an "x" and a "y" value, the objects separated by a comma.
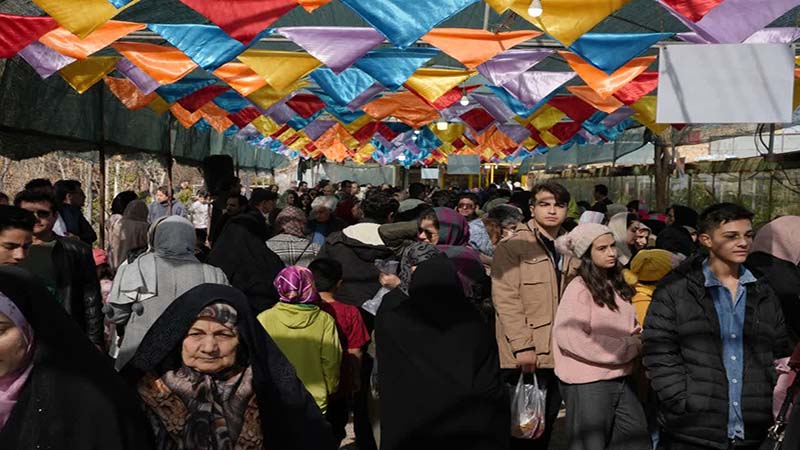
[
  {"x": 532, "y": 87},
  {"x": 509, "y": 64},
  {"x": 431, "y": 83},
  {"x": 392, "y": 67},
  {"x": 344, "y": 87},
  {"x": 243, "y": 20},
  {"x": 337, "y": 47},
  {"x": 280, "y": 68},
  {"x": 207, "y": 45},
  {"x": 474, "y": 47},
  {"x": 605, "y": 84},
  {"x": 164, "y": 64},
  {"x": 609, "y": 52},
  {"x": 567, "y": 20},
  {"x": 66, "y": 43},
  {"x": 403, "y": 22},
  {"x": 82, "y": 18},
  {"x": 17, "y": 32},
  {"x": 44, "y": 60},
  {"x": 83, "y": 74}
]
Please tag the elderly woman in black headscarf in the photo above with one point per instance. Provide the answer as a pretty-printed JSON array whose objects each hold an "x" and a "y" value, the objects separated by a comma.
[
  {"x": 440, "y": 384},
  {"x": 212, "y": 379},
  {"x": 56, "y": 390}
]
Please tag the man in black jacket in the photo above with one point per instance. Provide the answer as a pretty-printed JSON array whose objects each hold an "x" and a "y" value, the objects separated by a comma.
[
  {"x": 65, "y": 265},
  {"x": 710, "y": 337},
  {"x": 71, "y": 199}
]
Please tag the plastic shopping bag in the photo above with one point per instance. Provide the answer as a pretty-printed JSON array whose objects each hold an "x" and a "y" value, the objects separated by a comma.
[{"x": 527, "y": 409}]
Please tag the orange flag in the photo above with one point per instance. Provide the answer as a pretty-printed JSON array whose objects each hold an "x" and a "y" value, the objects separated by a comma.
[
  {"x": 185, "y": 118},
  {"x": 474, "y": 47},
  {"x": 128, "y": 93},
  {"x": 404, "y": 106},
  {"x": 164, "y": 64},
  {"x": 587, "y": 94},
  {"x": 311, "y": 5},
  {"x": 66, "y": 43},
  {"x": 215, "y": 116},
  {"x": 82, "y": 75},
  {"x": 241, "y": 78},
  {"x": 603, "y": 84}
]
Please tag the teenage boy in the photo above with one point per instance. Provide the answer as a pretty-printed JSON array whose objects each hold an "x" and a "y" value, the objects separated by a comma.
[
  {"x": 352, "y": 334},
  {"x": 528, "y": 278},
  {"x": 16, "y": 234},
  {"x": 710, "y": 336}
]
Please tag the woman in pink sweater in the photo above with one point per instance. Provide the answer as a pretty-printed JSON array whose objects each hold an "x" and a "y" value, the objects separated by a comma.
[{"x": 595, "y": 342}]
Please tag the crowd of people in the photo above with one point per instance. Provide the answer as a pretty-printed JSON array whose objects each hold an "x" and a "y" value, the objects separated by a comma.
[{"x": 269, "y": 320}]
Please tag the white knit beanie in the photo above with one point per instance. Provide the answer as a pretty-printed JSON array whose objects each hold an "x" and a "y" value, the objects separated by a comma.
[{"x": 578, "y": 241}]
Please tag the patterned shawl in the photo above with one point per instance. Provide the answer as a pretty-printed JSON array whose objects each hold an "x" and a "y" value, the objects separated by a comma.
[{"x": 292, "y": 221}]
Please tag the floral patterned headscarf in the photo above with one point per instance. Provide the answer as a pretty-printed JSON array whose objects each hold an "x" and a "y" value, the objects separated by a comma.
[{"x": 295, "y": 285}]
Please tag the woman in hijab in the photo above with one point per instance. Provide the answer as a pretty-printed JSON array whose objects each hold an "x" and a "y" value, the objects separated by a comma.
[
  {"x": 242, "y": 253},
  {"x": 212, "y": 379},
  {"x": 144, "y": 288},
  {"x": 118, "y": 205},
  {"x": 291, "y": 245},
  {"x": 440, "y": 384},
  {"x": 129, "y": 234},
  {"x": 454, "y": 243},
  {"x": 305, "y": 334},
  {"x": 776, "y": 256},
  {"x": 625, "y": 227},
  {"x": 56, "y": 390}
]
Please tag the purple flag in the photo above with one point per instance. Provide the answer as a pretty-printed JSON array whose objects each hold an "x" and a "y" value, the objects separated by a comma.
[
  {"x": 531, "y": 87},
  {"x": 281, "y": 113},
  {"x": 516, "y": 132},
  {"x": 44, "y": 60},
  {"x": 146, "y": 84},
  {"x": 316, "y": 128},
  {"x": 494, "y": 106},
  {"x": 454, "y": 112},
  {"x": 733, "y": 21},
  {"x": 617, "y": 116},
  {"x": 366, "y": 96},
  {"x": 589, "y": 137},
  {"x": 507, "y": 65},
  {"x": 337, "y": 47}
]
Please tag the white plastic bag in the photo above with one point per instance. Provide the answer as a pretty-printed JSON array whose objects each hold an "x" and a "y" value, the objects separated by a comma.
[{"x": 528, "y": 405}]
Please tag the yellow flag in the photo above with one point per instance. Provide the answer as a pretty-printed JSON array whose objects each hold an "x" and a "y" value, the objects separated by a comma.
[
  {"x": 82, "y": 75},
  {"x": 453, "y": 132},
  {"x": 356, "y": 125},
  {"x": 567, "y": 20},
  {"x": 500, "y": 6},
  {"x": 159, "y": 106},
  {"x": 81, "y": 17},
  {"x": 646, "y": 114},
  {"x": 545, "y": 118},
  {"x": 530, "y": 144},
  {"x": 549, "y": 139},
  {"x": 300, "y": 142},
  {"x": 433, "y": 83},
  {"x": 280, "y": 69},
  {"x": 265, "y": 125},
  {"x": 268, "y": 95}
]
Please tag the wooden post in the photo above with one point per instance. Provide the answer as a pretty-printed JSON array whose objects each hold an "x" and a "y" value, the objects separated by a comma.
[
  {"x": 662, "y": 164},
  {"x": 101, "y": 159}
]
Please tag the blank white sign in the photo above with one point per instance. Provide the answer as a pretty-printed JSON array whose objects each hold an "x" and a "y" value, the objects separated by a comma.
[
  {"x": 430, "y": 174},
  {"x": 725, "y": 83}
]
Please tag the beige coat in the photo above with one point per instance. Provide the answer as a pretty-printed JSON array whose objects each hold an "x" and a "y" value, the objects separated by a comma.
[{"x": 525, "y": 294}]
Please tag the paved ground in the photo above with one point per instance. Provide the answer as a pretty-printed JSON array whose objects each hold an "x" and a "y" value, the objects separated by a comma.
[{"x": 559, "y": 441}]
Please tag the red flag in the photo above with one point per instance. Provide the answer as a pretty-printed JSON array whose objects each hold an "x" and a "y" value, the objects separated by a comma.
[
  {"x": 564, "y": 131},
  {"x": 305, "y": 104},
  {"x": 198, "y": 99},
  {"x": 242, "y": 118},
  {"x": 17, "y": 32},
  {"x": 693, "y": 10},
  {"x": 242, "y": 19},
  {"x": 478, "y": 119},
  {"x": 575, "y": 108},
  {"x": 642, "y": 85}
]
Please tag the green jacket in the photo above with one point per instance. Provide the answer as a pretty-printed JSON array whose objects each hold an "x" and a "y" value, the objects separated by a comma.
[{"x": 308, "y": 338}]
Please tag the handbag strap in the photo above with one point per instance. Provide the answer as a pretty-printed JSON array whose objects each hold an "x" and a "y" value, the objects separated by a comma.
[
  {"x": 789, "y": 398},
  {"x": 302, "y": 253}
]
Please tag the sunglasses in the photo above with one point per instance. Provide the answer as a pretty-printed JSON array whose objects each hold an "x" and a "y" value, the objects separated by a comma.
[
  {"x": 42, "y": 213},
  {"x": 466, "y": 206}
]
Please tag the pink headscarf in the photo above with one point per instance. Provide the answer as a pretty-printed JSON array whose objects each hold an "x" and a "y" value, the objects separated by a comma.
[
  {"x": 780, "y": 239},
  {"x": 295, "y": 285},
  {"x": 11, "y": 385}
]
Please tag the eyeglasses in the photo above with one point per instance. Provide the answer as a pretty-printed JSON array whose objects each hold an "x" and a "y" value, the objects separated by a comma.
[
  {"x": 42, "y": 213},
  {"x": 466, "y": 206}
]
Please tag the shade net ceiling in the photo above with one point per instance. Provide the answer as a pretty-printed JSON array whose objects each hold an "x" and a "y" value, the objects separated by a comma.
[{"x": 38, "y": 116}]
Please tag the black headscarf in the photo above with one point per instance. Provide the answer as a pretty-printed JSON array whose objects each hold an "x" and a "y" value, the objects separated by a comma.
[
  {"x": 73, "y": 398},
  {"x": 676, "y": 239},
  {"x": 290, "y": 418},
  {"x": 684, "y": 216},
  {"x": 439, "y": 374},
  {"x": 242, "y": 253}
]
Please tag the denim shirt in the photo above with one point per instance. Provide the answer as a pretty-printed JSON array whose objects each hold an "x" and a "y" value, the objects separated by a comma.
[{"x": 731, "y": 327}]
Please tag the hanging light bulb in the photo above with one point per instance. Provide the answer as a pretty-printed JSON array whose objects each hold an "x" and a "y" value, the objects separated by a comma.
[
  {"x": 441, "y": 125},
  {"x": 535, "y": 10},
  {"x": 464, "y": 100}
]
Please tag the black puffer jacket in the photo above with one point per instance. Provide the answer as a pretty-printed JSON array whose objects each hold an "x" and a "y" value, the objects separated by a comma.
[
  {"x": 784, "y": 278},
  {"x": 76, "y": 281},
  {"x": 683, "y": 356}
]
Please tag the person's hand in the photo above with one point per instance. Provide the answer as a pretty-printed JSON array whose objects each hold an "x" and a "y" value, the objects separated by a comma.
[
  {"x": 389, "y": 280},
  {"x": 527, "y": 361},
  {"x": 637, "y": 331}
]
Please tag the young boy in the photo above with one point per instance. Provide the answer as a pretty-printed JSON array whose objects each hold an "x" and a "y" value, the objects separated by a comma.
[
  {"x": 711, "y": 335},
  {"x": 352, "y": 334}
]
